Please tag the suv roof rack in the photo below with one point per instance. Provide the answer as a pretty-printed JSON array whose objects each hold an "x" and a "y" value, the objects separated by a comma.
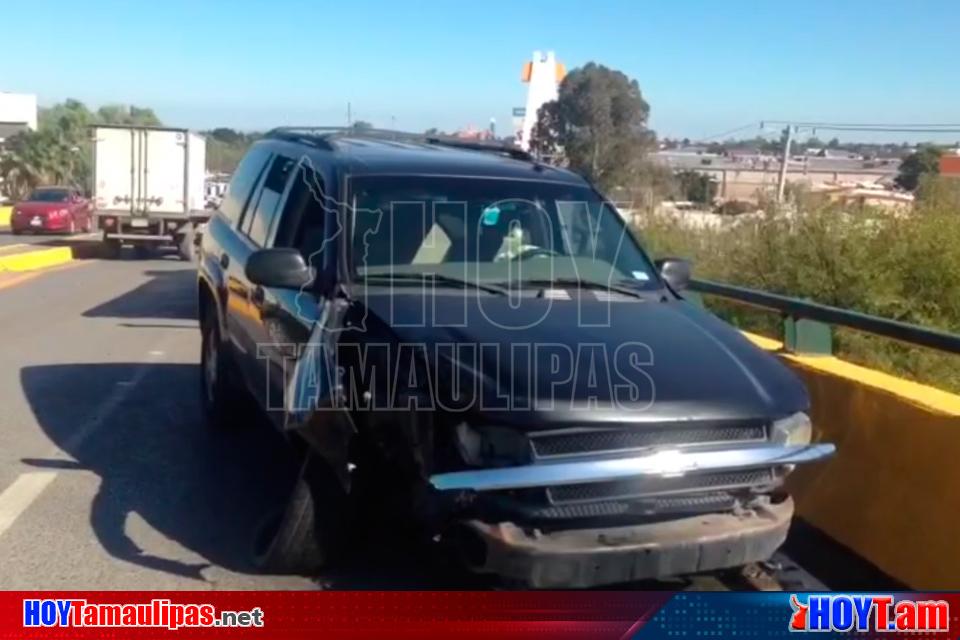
[{"x": 325, "y": 136}]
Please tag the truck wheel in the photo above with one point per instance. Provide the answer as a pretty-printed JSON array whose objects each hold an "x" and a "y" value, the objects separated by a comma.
[
  {"x": 185, "y": 248},
  {"x": 305, "y": 535},
  {"x": 111, "y": 248}
]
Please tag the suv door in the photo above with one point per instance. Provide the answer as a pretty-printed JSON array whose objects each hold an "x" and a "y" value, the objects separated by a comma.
[
  {"x": 286, "y": 317},
  {"x": 224, "y": 251},
  {"x": 248, "y": 300}
]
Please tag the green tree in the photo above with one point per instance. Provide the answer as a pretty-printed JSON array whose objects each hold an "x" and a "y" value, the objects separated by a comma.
[
  {"x": 923, "y": 162},
  {"x": 361, "y": 125},
  {"x": 599, "y": 123},
  {"x": 697, "y": 187}
]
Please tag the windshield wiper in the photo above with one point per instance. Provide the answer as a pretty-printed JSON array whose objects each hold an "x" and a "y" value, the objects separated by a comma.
[
  {"x": 428, "y": 278},
  {"x": 580, "y": 284}
]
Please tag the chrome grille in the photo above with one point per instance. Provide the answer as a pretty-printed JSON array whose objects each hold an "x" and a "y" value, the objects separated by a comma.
[
  {"x": 641, "y": 487},
  {"x": 591, "y": 441},
  {"x": 699, "y": 503}
]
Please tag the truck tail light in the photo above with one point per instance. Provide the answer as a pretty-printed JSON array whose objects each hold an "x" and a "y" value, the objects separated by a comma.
[{"x": 109, "y": 222}]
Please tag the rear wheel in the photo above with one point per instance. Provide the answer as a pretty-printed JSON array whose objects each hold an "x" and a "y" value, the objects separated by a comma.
[
  {"x": 305, "y": 535},
  {"x": 111, "y": 248}
]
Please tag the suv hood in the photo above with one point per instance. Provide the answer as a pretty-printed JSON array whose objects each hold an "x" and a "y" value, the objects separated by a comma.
[{"x": 586, "y": 358}]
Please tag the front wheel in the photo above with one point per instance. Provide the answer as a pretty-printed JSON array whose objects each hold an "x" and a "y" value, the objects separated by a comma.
[
  {"x": 186, "y": 248},
  {"x": 306, "y": 534},
  {"x": 216, "y": 394}
]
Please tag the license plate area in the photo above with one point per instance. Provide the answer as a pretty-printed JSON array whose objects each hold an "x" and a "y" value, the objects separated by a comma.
[{"x": 139, "y": 223}]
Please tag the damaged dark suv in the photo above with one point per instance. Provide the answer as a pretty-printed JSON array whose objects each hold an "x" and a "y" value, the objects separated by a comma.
[{"x": 462, "y": 339}]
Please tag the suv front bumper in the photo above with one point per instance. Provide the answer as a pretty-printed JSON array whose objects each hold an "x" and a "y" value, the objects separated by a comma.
[{"x": 590, "y": 557}]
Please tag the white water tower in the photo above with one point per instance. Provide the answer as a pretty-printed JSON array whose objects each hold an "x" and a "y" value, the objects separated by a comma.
[{"x": 542, "y": 75}]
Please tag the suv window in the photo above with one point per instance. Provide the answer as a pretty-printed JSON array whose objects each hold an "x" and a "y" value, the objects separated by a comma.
[
  {"x": 257, "y": 222},
  {"x": 489, "y": 227},
  {"x": 241, "y": 184},
  {"x": 302, "y": 223}
]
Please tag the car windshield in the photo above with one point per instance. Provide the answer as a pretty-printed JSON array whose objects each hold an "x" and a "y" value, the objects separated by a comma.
[
  {"x": 493, "y": 231},
  {"x": 49, "y": 195}
]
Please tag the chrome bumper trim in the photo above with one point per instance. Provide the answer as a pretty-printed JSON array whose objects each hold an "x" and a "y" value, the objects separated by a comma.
[{"x": 666, "y": 462}]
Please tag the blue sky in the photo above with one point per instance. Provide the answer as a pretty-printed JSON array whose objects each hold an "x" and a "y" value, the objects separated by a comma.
[{"x": 704, "y": 66}]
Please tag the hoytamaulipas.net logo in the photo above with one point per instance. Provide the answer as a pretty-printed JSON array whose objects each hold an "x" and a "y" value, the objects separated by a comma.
[
  {"x": 875, "y": 613},
  {"x": 159, "y": 612}
]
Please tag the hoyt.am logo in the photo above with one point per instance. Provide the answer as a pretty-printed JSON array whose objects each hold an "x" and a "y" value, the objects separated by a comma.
[{"x": 843, "y": 612}]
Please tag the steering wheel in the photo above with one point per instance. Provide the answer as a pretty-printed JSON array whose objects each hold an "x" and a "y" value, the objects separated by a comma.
[{"x": 534, "y": 252}]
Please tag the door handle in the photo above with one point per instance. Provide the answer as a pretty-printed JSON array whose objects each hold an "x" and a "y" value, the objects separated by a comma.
[{"x": 224, "y": 260}]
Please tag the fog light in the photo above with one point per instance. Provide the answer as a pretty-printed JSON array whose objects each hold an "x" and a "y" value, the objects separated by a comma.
[{"x": 792, "y": 430}]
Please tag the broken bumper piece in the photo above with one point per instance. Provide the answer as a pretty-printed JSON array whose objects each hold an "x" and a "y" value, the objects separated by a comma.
[{"x": 592, "y": 557}]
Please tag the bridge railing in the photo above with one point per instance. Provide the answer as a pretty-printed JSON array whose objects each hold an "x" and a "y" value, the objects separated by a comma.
[
  {"x": 807, "y": 325},
  {"x": 885, "y": 495}
]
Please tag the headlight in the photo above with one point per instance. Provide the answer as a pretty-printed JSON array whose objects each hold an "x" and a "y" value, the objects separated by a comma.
[{"x": 792, "y": 430}]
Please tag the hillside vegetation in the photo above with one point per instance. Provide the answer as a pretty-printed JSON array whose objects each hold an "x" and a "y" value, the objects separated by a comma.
[{"x": 901, "y": 267}]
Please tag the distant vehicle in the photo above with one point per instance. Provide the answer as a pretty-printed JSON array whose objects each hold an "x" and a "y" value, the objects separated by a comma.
[
  {"x": 534, "y": 467},
  {"x": 52, "y": 210},
  {"x": 148, "y": 186}
]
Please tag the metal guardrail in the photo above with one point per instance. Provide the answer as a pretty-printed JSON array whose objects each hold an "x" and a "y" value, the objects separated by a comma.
[{"x": 807, "y": 331}]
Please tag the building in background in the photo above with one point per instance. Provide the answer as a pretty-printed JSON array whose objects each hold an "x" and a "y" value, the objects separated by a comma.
[
  {"x": 542, "y": 75},
  {"x": 18, "y": 112},
  {"x": 950, "y": 164}
]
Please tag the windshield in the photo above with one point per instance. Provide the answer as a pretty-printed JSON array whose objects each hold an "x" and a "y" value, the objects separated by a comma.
[
  {"x": 492, "y": 230},
  {"x": 49, "y": 195}
]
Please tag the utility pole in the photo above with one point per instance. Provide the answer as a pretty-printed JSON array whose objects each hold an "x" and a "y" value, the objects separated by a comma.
[
  {"x": 349, "y": 116},
  {"x": 782, "y": 182}
]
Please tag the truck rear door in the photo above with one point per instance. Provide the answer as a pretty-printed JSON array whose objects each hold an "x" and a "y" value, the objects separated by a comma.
[
  {"x": 164, "y": 170},
  {"x": 116, "y": 169}
]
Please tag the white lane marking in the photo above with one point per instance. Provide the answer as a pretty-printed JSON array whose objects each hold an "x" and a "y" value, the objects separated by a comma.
[{"x": 18, "y": 496}]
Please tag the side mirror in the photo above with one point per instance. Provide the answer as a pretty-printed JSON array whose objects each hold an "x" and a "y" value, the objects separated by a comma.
[
  {"x": 281, "y": 268},
  {"x": 676, "y": 272}
]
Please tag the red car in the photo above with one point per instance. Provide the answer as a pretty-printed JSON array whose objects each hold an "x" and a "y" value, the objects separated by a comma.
[{"x": 52, "y": 209}]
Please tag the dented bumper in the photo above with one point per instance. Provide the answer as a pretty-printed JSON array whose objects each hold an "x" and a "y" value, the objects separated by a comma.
[{"x": 591, "y": 557}]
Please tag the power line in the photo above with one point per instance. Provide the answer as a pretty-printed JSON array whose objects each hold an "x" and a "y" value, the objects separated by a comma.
[
  {"x": 731, "y": 131},
  {"x": 866, "y": 127}
]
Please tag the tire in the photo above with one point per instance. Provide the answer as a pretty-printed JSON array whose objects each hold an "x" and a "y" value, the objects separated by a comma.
[
  {"x": 111, "y": 248},
  {"x": 219, "y": 397},
  {"x": 306, "y": 535},
  {"x": 185, "y": 247}
]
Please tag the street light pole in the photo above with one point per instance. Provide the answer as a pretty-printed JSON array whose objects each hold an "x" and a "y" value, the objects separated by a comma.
[{"x": 782, "y": 181}]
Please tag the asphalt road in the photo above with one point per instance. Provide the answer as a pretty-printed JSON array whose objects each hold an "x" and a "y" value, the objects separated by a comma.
[{"x": 109, "y": 478}]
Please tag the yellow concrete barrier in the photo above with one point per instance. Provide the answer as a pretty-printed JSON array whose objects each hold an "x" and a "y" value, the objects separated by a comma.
[
  {"x": 5, "y": 213},
  {"x": 35, "y": 259},
  {"x": 892, "y": 492}
]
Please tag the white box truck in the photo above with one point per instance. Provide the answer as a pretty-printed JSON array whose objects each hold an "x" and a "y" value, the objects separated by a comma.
[{"x": 148, "y": 186}]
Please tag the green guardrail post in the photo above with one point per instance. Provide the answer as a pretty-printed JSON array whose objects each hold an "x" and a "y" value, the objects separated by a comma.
[{"x": 807, "y": 337}]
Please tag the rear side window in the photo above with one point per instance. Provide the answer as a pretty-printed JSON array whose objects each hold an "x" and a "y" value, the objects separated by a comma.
[
  {"x": 241, "y": 185},
  {"x": 259, "y": 218}
]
